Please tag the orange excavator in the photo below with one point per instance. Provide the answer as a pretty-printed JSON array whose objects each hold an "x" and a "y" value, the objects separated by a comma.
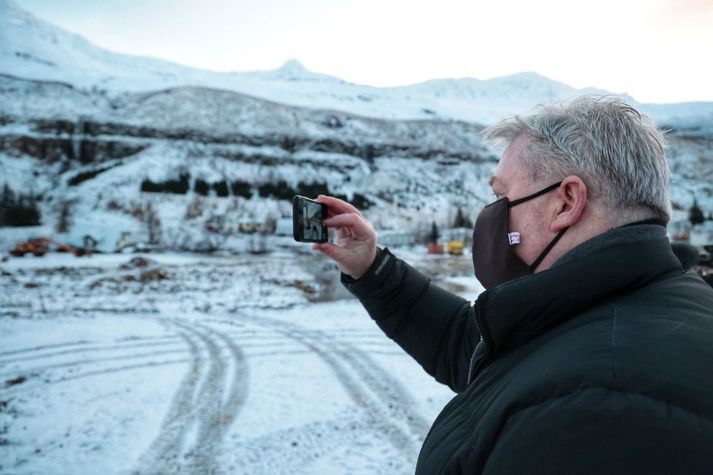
[{"x": 41, "y": 246}]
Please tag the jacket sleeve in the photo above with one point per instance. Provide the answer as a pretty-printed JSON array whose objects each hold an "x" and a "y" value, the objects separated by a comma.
[
  {"x": 597, "y": 430},
  {"x": 434, "y": 326}
]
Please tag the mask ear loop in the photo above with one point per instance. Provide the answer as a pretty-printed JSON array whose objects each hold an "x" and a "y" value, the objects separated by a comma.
[
  {"x": 549, "y": 247},
  {"x": 534, "y": 195},
  {"x": 552, "y": 243}
]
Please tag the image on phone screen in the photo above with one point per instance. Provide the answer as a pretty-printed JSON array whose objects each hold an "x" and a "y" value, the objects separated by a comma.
[
  {"x": 307, "y": 220},
  {"x": 312, "y": 221}
]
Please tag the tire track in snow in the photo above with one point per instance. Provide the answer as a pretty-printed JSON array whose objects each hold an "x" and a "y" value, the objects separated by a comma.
[
  {"x": 43, "y": 347},
  {"x": 220, "y": 414},
  {"x": 165, "y": 448},
  {"x": 387, "y": 405},
  {"x": 206, "y": 404},
  {"x": 265, "y": 342},
  {"x": 86, "y": 361},
  {"x": 28, "y": 387},
  {"x": 85, "y": 346},
  {"x": 37, "y": 353},
  {"x": 88, "y": 374}
]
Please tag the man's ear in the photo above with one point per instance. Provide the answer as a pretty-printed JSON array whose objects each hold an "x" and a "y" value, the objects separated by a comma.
[{"x": 571, "y": 200}]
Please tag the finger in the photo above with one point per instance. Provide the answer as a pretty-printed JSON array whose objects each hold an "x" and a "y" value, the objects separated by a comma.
[
  {"x": 358, "y": 228},
  {"x": 332, "y": 251},
  {"x": 337, "y": 206},
  {"x": 345, "y": 219}
]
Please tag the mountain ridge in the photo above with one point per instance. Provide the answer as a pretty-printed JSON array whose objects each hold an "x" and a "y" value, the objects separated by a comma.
[
  {"x": 89, "y": 128},
  {"x": 35, "y": 49}
]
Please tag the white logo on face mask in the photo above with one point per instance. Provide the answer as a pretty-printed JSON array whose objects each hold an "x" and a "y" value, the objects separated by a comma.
[{"x": 514, "y": 238}]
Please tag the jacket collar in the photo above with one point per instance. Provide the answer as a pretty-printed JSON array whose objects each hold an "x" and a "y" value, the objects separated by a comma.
[{"x": 606, "y": 266}]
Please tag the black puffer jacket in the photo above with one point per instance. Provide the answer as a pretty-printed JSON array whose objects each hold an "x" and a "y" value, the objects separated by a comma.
[{"x": 602, "y": 364}]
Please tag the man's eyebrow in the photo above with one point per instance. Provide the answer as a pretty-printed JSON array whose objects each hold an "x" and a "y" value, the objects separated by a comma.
[{"x": 492, "y": 180}]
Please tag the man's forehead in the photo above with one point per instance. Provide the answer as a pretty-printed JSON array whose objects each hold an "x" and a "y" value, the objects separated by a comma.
[{"x": 511, "y": 166}]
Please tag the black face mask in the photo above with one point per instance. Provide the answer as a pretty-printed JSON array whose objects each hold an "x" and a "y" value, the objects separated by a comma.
[{"x": 494, "y": 259}]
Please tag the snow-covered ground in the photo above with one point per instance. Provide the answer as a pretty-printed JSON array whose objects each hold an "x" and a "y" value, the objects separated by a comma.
[
  {"x": 177, "y": 363},
  {"x": 246, "y": 364}
]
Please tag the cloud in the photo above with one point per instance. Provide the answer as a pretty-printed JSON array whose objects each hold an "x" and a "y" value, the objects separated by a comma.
[{"x": 684, "y": 15}]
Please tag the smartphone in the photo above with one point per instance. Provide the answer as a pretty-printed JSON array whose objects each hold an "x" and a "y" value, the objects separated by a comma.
[{"x": 307, "y": 217}]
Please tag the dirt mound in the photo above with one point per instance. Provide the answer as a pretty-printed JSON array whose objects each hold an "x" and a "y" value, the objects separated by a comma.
[{"x": 137, "y": 263}]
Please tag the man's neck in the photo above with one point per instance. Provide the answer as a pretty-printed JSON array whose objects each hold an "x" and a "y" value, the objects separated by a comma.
[{"x": 617, "y": 236}]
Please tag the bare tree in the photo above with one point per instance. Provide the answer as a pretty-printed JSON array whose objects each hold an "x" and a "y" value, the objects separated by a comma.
[
  {"x": 153, "y": 223},
  {"x": 194, "y": 208},
  {"x": 64, "y": 221}
]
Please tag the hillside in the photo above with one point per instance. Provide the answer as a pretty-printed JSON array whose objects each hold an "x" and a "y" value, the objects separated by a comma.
[
  {"x": 68, "y": 145},
  {"x": 86, "y": 129}
]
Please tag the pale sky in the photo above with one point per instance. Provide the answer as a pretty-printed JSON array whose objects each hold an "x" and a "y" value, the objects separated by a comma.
[{"x": 655, "y": 50}]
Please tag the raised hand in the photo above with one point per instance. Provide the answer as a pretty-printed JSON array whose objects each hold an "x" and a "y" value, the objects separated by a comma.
[{"x": 355, "y": 247}]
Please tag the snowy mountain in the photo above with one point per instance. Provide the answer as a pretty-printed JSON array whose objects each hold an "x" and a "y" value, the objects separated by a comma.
[
  {"x": 32, "y": 48},
  {"x": 73, "y": 146},
  {"x": 94, "y": 130}
]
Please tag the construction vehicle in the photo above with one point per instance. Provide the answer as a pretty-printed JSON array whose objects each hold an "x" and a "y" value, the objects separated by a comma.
[
  {"x": 455, "y": 248},
  {"x": 40, "y": 246},
  {"x": 435, "y": 248}
]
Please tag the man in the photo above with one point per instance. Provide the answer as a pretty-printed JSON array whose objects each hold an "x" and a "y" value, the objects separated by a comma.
[{"x": 591, "y": 350}]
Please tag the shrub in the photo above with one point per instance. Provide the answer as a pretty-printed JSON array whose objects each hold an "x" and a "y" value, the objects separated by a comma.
[
  {"x": 221, "y": 188},
  {"x": 288, "y": 143},
  {"x": 361, "y": 202},
  {"x": 201, "y": 187},
  {"x": 280, "y": 190},
  {"x": 695, "y": 214},
  {"x": 435, "y": 234},
  {"x": 462, "y": 220},
  {"x": 312, "y": 190},
  {"x": 18, "y": 210},
  {"x": 87, "y": 175},
  {"x": 241, "y": 188},
  {"x": 150, "y": 186},
  {"x": 179, "y": 186}
]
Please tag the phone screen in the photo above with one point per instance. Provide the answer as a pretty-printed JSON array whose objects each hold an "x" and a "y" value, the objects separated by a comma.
[{"x": 307, "y": 220}]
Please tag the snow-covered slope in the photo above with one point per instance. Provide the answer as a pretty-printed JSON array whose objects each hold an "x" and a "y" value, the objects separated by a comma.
[
  {"x": 412, "y": 172},
  {"x": 84, "y": 126},
  {"x": 33, "y": 48},
  {"x": 51, "y": 134}
]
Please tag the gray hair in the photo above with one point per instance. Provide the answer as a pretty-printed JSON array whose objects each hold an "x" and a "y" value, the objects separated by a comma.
[{"x": 615, "y": 150}]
